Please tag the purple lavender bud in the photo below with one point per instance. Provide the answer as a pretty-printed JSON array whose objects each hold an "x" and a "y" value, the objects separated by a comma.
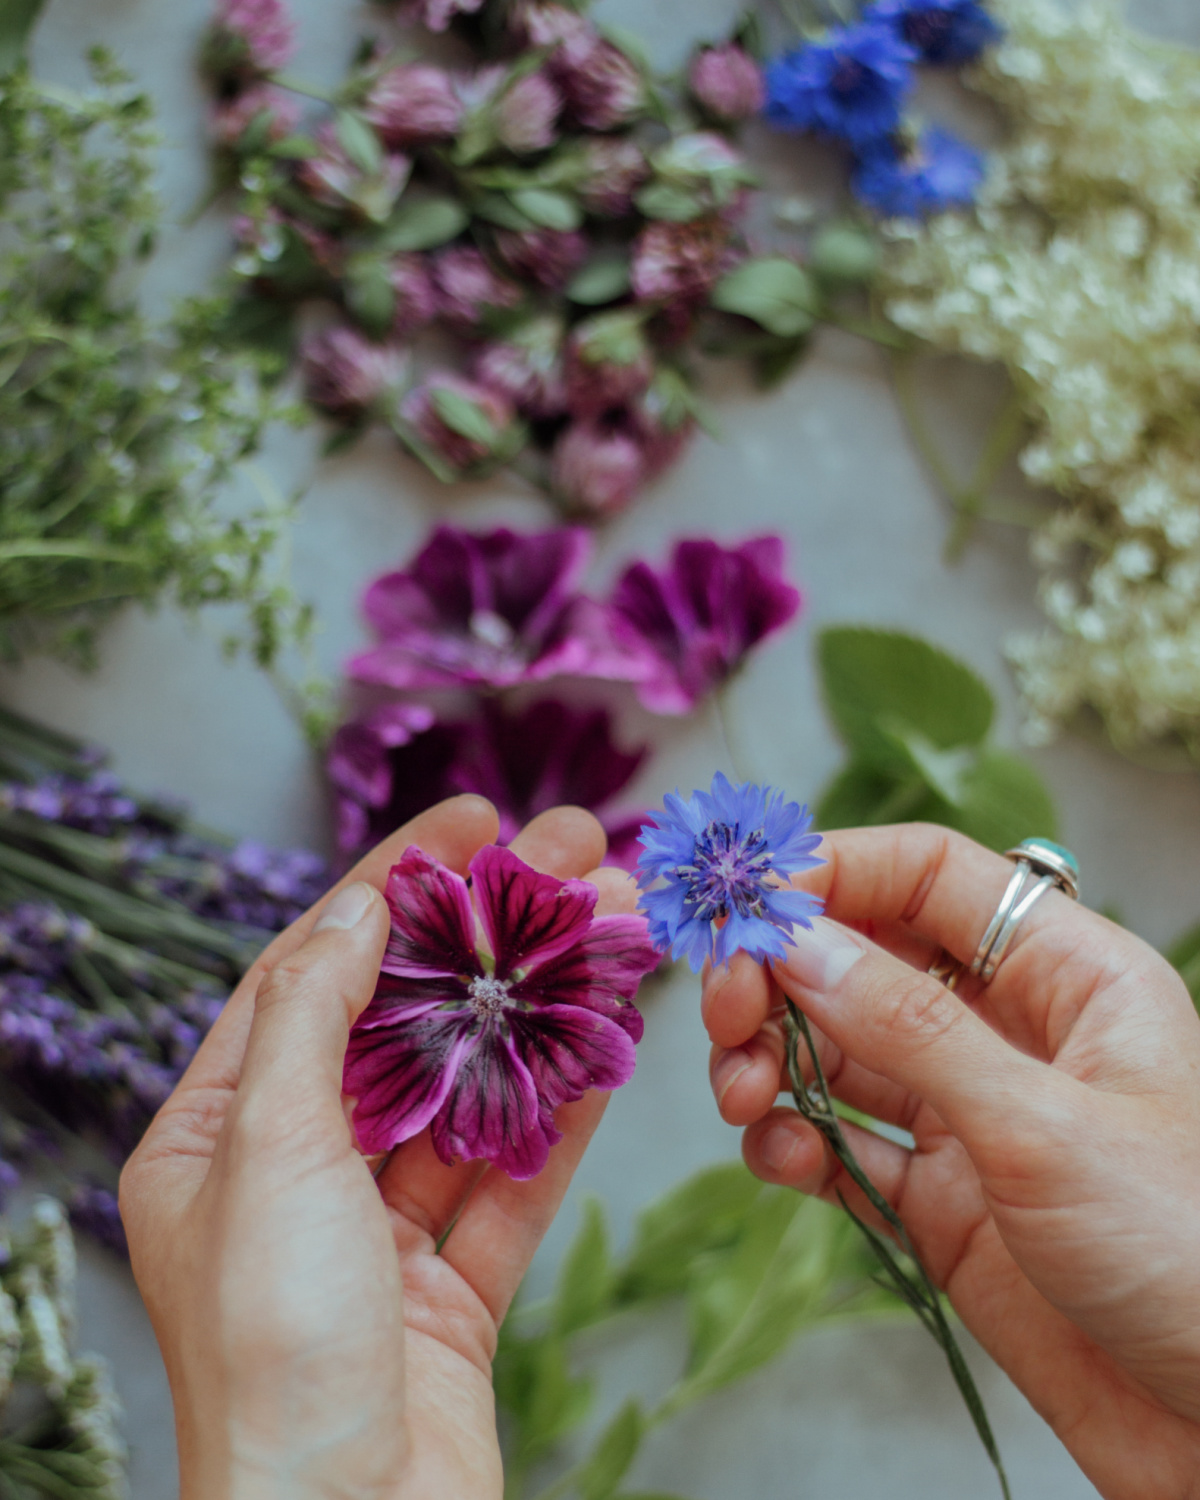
[
  {"x": 614, "y": 169},
  {"x": 412, "y": 103},
  {"x": 727, "y": 82},
  {"x": 604, "y": 87},
  {"x": 468, "y": 288},
  {"x": 548, "y": 257},
  {"x": 597, "y": 467},
  {"x": 249, "y": 38},
  {"x": 462, "y": 425},
  {"x": 679, "y": 264},
  {"x": 525, "y": 114},
  {"x": 346, "y": 374},
  {"x": 280, "y": 113},
  {"x": 94, "y": 1210},
  {"x": 333, "y": 179},
  {"x": 416, "y": 296},
  {"x": 608, "y": 362},
  {"x": 526, "y": 367}
]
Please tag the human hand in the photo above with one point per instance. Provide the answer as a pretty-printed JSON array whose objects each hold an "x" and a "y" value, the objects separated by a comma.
[
  {"x": 1053, "y": 1189},
  {"x": 316, "y": 1342}
]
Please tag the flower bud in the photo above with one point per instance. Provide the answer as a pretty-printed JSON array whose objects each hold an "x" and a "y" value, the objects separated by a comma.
[
  {"x": 613, "y": 168},
  {"x": 663, "y": 418},
  {"x": 468, "y": 288},
  {"x": 346, "y": 374},
  {"x": 249, "y": 38},
  {"x": 458, "y": 425},
  {"x": 727, "y": 83},
  {"x": 604, "y": 87},
  {"x": 333, "y": 179},
  {"x": 597, "y": 467},
  {"x": 608, "y": 362},
  {"x": 549, "y": 257},
  {"x": 542, "y": 23},
  {"x": 414, "y": 102},
  {"x": 525, "y": 113},
  {"x": 679, "y": 264},
  {"x": 527, "y": 367},
  {"x": 695, "y": 173},
  {"x": 416, "y": 295},
  {"x": 273, "y": 113}
]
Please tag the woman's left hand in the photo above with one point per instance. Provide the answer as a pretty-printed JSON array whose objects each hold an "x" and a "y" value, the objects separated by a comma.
[{"x": 316, "y": 1342}]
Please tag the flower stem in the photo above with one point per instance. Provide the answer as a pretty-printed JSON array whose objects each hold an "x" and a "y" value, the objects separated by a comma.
[{"x": 913, "y": 1285}]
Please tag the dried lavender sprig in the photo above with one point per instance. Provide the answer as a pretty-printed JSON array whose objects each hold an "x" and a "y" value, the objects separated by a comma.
[{"x": 914, "y": 1286}]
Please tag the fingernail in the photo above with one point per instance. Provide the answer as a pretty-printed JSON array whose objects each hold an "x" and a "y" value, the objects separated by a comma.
[
  {"x": 821, "y": 958},
  {"x": 347, "y": 908},
  {"x": 778, "y": 1148},
  {"x": 728, "y": 1068}
]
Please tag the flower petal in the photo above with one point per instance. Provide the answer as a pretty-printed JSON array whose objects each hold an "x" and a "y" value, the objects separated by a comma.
[
  {"x": 568, "y": 1050},
  {"x": 399, "y": 1074},
  {"x": 433, "y": 926},
  {"x": 492, "y": 1111},
  {"x": 528, "y": 917},
  {"x": 599, "y": 973}
]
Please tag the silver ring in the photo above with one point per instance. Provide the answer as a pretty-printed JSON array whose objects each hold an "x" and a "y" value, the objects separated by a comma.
[{"x": 1040, "y": 866}]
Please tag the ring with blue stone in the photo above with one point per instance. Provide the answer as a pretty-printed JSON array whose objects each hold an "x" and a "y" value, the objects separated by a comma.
[{"x": 1041, "y": 865}]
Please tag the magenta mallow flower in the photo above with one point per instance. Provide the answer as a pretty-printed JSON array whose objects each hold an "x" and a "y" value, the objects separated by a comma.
[
  {"x": 727, "y": 83},
  {"x": 679, "y": 264},
  {"x": 546, "y": 257},
  {"x": 490, "y": 608},
  {"x": 608, "y": 361},
  {"x": 597, "y": 466},
  {"x": 272, "y": 111},
  {"x": 333, "y": 179},
  {"x": 412, "y": 103},
  {"x": 347, "y": 374},
  {"x": 604, "y": 87},
  {"x": 416, "y": 296},
  {"x": 385, "y": 769},
  {"x": 487, "y": 1017},
  {"x": 526, "y": 366},
  {"x": 249, "y": 38},
  {"x": 457, "y": 426},
  {"x": 695, "y": 621},
  {"x": 468, "y": 289}
]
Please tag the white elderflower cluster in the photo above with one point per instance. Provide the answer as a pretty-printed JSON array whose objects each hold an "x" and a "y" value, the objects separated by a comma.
[{"x": 1079, "y": 270}]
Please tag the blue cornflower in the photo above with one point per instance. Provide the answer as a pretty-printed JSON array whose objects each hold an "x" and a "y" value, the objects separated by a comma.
[
  {"x": 944, "y": 32},
  {"x": 851, "y": 85},
  {"x": 722, "y": 855},
  {"x": 938, "y": 173}
]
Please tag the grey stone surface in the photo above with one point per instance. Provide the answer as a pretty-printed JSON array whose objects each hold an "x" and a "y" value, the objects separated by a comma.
[{"x": 826, "y": 461}]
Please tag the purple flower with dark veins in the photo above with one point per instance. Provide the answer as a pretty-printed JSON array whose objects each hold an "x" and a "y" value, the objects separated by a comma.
[
  {"x": 695, "y": 621},
  {"x": 483, "y": 1043},
  {"x": 491, "y": 608}
]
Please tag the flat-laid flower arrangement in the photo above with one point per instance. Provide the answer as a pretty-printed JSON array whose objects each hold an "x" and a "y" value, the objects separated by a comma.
[{"x": 518, "y": 240}]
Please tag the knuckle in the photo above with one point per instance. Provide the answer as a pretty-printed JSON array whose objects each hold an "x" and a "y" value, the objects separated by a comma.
[{"x": 922, "y": 1011}]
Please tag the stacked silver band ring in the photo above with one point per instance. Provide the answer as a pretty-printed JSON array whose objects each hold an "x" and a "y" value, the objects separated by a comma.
[{"x": 1040, "y": 866}]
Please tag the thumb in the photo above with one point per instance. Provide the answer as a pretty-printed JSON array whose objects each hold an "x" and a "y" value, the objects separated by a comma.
[
  {"x": 909, "y": 1028},
  {"x": 291, "y": 1077}
]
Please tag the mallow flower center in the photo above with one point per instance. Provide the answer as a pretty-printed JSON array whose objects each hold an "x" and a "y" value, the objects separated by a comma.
[
  {"x": 727, "y": 872},
  {"x": 488, "y": 997}
]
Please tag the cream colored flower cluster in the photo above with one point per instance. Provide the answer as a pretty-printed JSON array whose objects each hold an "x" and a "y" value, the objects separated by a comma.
[{"x": 1079, "y": 270}]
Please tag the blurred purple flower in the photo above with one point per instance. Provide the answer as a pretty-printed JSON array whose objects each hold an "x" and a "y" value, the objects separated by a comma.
[
  {"x": 455, "y": 425},
  {"x": 413, "y": 103},
  {"x": 597, "y": 466},
  {"x": 604, "y": 87},
  {"x": 526, "y": 366},
  {"x": 679, "y": 264},
  {"x": 944, "y": 32},
  {"x": 608, "y": 362},
  {"x": 386, "y": 769},
  {"x": 938, "y": 173},
  {"x": 333, "y": 179},
  {"x": 546, "y": 257},
  {"x": 248, "y": 38},
  {"x": 347, "y": 374},
  {"x": 484, "y": 1051},
  {"x": 468, "y": 288},
  {"x": 491, "y": 608},
  {"x": 543, "y": 23},
  {"x": 850, "y": 85},
  {"x": 525, "y": 113},
  {"x": 93, "y": 1209},
  {"x": 612, "y": 170},
  {"x": 664, "y": 418},
  {"x": 416, "y": 296},
  {"x": 727, "y": 82},
  {"x": 696, "y": 620},
  {"x": 278, "y": 111}
]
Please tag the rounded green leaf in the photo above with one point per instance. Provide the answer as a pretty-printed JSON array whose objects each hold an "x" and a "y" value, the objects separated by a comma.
[
  {"x": 773, "y": 292},
  {"x": 547, "y": 208}
]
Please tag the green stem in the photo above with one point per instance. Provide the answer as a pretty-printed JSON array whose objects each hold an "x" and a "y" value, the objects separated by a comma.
[
  {"x": 297, "y": 86},
  {"x": 868, "y": 328},
  {"x": 915, "y": 1286}
]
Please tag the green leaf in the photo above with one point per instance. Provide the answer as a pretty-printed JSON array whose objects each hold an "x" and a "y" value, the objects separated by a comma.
[
  {"x": 359, "y": 141},
  {"x": 1184, "y": 953},
  {"x": 294, "y": 147},
  {"x": 423, "y": 224},
  {"x": 501, "y": 211},
  {"x": 584, "y": 1290},
  {"x": 615, "y": 1450},
  {"x": 773, "y": 292},
  {"x": 537, "y": 1391},
  {"x": 844, "y": 254},
  {"x": 604, "y": 278},
  {"x": 663, "y": 200},
  {"x": 370, "y": 295},
  {"x": 1004, "y": 800},
  {"x": 462, "y": 415},
  {"x": 855, "y": 795},
  {"x": 17, "y": 20},
  {"x": 875, "y": 680},
  {"x": 549, "y": 209},
  {"x": 698, "y": 1215}
]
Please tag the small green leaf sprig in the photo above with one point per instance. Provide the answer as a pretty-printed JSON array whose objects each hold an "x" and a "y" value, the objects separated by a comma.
[
  {"x": 118, "y": 435},
  {"x": 753, "y": 1266},
  {"x": 917, "y": 724}
]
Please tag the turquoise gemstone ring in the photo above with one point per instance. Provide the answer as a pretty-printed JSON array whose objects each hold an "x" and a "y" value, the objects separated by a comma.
[{"x": 1041, "y": 865}]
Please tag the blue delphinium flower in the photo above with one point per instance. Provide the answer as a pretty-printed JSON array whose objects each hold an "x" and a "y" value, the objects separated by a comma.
[
  {"x": 851, "y": 85},
  {"x": 944, "y": 32},
  {"x": 938, "y": 173},
  {"x": 723, "y": 854}
]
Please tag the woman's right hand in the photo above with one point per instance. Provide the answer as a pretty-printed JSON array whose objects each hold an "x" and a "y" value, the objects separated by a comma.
[{"x": 1053, "y": 1188}]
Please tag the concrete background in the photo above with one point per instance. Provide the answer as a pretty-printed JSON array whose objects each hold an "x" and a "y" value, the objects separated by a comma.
[{"x": 824, "y": 460}]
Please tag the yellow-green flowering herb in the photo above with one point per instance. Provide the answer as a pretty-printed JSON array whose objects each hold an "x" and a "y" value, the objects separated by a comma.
[
  {"x": 118, "y": 434},
  {"x": 1079, "y": 270}
]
